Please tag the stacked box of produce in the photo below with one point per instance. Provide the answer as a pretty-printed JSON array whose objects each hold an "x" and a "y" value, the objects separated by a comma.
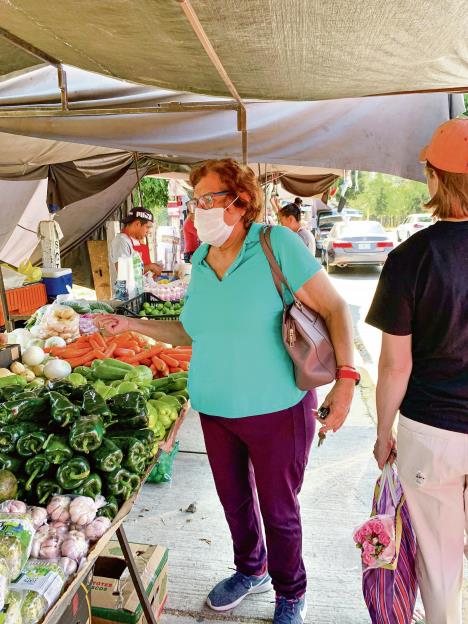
[{"x": 162, "y": 310}]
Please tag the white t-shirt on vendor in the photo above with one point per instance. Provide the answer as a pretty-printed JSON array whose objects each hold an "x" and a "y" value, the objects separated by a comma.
[{"x": 121, "y": 247}]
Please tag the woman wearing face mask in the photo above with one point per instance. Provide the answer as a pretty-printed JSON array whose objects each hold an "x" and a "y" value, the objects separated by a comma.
[
  {"x": 421, "y": 306},
  {"x": 258, "y": 426}
]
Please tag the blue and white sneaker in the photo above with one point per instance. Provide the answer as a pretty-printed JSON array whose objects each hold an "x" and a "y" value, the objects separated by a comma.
[
  {"x": 229, "y": 593},
  {"x": 290, "y": 611}
]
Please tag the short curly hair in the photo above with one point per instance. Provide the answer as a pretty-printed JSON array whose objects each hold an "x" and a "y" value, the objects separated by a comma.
[{"x": 238, "y": 179}]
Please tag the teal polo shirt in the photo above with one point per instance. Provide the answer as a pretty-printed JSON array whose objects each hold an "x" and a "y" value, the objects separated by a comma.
[{"x": 239, "y": 365}]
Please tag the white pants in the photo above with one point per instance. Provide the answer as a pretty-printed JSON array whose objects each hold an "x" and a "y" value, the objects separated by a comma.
[{"x": 433, "y": 470}]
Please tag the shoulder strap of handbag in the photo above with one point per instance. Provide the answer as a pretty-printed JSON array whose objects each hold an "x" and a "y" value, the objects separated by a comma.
[{"x": 277, "y": 273}]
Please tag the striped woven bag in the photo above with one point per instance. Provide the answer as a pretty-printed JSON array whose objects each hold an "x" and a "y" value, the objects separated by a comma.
[{"x": 390, "y": 591}]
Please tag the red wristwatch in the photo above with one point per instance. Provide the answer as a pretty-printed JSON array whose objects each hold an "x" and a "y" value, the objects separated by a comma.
[{"x": 348, "y": 373}]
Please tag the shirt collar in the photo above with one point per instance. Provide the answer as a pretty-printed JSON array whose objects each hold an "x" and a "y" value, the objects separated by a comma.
[{"x": 253, "y": 237}]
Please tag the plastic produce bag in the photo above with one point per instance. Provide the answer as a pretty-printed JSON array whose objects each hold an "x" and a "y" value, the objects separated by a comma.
[
  {"x": 11, "y": 611},
  {"x": 162, "y": 471},
  {"x": 37, "y": 589},
  {"x": 390, "y": 589},
  {"x": 16, "y": 536},
  {"x": 59, "y": 320},
  {"x": 4, "y": 581},
  {"x": 11, "y": 278}
]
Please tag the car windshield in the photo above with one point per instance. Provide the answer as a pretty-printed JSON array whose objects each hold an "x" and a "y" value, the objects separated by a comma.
[
  {"x": 424, "y": 218},
  {"x": 330, "y": 220},
  {"x": 356, "y": 228}
]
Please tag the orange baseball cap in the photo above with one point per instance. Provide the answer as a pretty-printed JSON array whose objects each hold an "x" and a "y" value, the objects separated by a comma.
[{"x": 448, "y": 149}]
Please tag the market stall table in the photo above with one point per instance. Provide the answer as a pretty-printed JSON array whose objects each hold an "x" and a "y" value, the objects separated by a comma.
[{"x": 57, "y": 611}]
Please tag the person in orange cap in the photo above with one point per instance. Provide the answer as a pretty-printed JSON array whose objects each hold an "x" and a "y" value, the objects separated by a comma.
[{"x": 421, "y": 306}]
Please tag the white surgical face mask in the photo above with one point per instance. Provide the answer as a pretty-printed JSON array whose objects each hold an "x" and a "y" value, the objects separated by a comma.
[{"x": 211, "y": 227}]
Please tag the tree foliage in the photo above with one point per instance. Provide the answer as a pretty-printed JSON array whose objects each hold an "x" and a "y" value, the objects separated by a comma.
[
  {"x": 384, "y": 197},
  {"x": 155, "y": 197}
]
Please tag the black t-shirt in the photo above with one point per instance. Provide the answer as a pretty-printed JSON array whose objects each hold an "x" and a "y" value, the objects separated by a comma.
[{"x": 423, "y": 291}]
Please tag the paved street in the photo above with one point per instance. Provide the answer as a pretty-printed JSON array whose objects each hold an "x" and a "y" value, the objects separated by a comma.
[
  {"x": 336, "y": 496},
  {"x": 357, "y": 286}
]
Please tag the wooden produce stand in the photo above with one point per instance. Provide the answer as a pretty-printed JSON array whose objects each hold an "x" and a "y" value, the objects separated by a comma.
[{"x": 57, "y": 611}]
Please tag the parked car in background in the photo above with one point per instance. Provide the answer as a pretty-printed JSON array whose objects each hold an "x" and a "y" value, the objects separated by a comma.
[
  {"x": 412, "y": 224},
  {"x": 356, "y": 243},
  {"x": 325, "y": 222}
]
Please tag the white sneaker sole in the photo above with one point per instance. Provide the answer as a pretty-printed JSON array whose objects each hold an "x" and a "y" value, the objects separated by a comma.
[{"x": 257, "y": 589}]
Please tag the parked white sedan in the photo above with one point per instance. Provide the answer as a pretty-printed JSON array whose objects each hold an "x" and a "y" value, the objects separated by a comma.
[
  {"x": 356, "y": 243},
  {"x": 413, "y": 224}
]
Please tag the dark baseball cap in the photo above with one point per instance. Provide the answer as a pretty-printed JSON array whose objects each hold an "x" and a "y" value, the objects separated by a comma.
[{"x": 138, "y": 213}]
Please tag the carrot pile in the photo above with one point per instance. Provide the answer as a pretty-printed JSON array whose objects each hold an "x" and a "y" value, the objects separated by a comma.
[{"x": 127, "y": 347}]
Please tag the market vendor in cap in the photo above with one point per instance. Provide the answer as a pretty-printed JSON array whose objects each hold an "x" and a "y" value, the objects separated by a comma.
[{"x": 131, "y": 242}]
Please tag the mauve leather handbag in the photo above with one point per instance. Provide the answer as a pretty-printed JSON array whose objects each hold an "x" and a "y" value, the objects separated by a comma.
[{"x": 305, "y": 334}]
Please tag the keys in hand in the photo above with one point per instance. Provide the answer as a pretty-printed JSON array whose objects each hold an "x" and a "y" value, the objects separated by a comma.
[{"x": 322, "y": 413}]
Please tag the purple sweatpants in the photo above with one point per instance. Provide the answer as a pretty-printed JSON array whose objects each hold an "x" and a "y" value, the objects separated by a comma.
[{"x": 264, "y": 455}]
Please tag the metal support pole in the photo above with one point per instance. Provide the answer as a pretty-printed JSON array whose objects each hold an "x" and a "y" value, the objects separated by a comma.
[
  {"x": 62, "y": 81},
  {"x": 6, "y": 313},
  {"x": 242, "y": 127},
  {"x": 25, "y": 112},
  {"x": 198, "y": 29},
  {"x": 136, "y": 579},
  {"x": 45, "y": 58}
]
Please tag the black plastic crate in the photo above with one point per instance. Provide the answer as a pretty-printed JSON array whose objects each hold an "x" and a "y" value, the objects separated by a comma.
[{"x": 133, "y": 306}]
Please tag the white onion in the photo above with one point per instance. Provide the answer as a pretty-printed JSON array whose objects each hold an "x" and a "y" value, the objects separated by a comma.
[
  {"x": 19, "y": 336},
  {"x": 57, "y": 369},
  {"x": 55, "y": 341},
  {"x": 33, "y": 356}
]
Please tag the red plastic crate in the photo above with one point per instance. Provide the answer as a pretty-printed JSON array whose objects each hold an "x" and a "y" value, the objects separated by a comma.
[{"x": 25, "y": 300}]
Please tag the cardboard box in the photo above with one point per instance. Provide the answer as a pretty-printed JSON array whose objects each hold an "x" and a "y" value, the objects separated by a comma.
[
  {"x": 113, "y": 596},
  {"x": 9, "y": 354}
]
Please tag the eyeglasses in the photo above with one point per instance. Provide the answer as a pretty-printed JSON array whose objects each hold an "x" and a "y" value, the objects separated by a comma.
[{"x": 205, "y": 202}]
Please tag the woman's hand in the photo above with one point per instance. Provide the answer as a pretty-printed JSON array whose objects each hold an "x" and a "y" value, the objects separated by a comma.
[
  {"x": 338, "y": 401},
  {"x": 385, "y": 450},
  {"x": 113, "y": 323}
]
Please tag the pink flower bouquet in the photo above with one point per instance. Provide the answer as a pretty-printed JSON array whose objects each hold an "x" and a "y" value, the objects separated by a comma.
[{"x": 376, "y": 540}]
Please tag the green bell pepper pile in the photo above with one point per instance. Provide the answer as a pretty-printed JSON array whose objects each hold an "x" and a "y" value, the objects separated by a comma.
[
  {"x": 108, "y": 456},
  {"x": 10, "y": 462},
  {"x": 45, "y": 489},
  {"x": 31, "y": 443},
  {"x": 57, "y": 450},
  {"x": 86, "y": 434},
  {"x": 91, "y": 486},
  {"x": 134, "y": 453},
  {"x": 110, "y": 509},
  {"x": 73, "y": 473},
  {"x": 95, "y": 432},
  {"x": 9, "y": 435},
  {"x": 36, "y": 466},
  {"x": 62, "y": 410}
]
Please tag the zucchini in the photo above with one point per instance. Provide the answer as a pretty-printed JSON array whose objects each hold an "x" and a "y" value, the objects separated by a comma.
[{"x": 100, "y": 306}]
